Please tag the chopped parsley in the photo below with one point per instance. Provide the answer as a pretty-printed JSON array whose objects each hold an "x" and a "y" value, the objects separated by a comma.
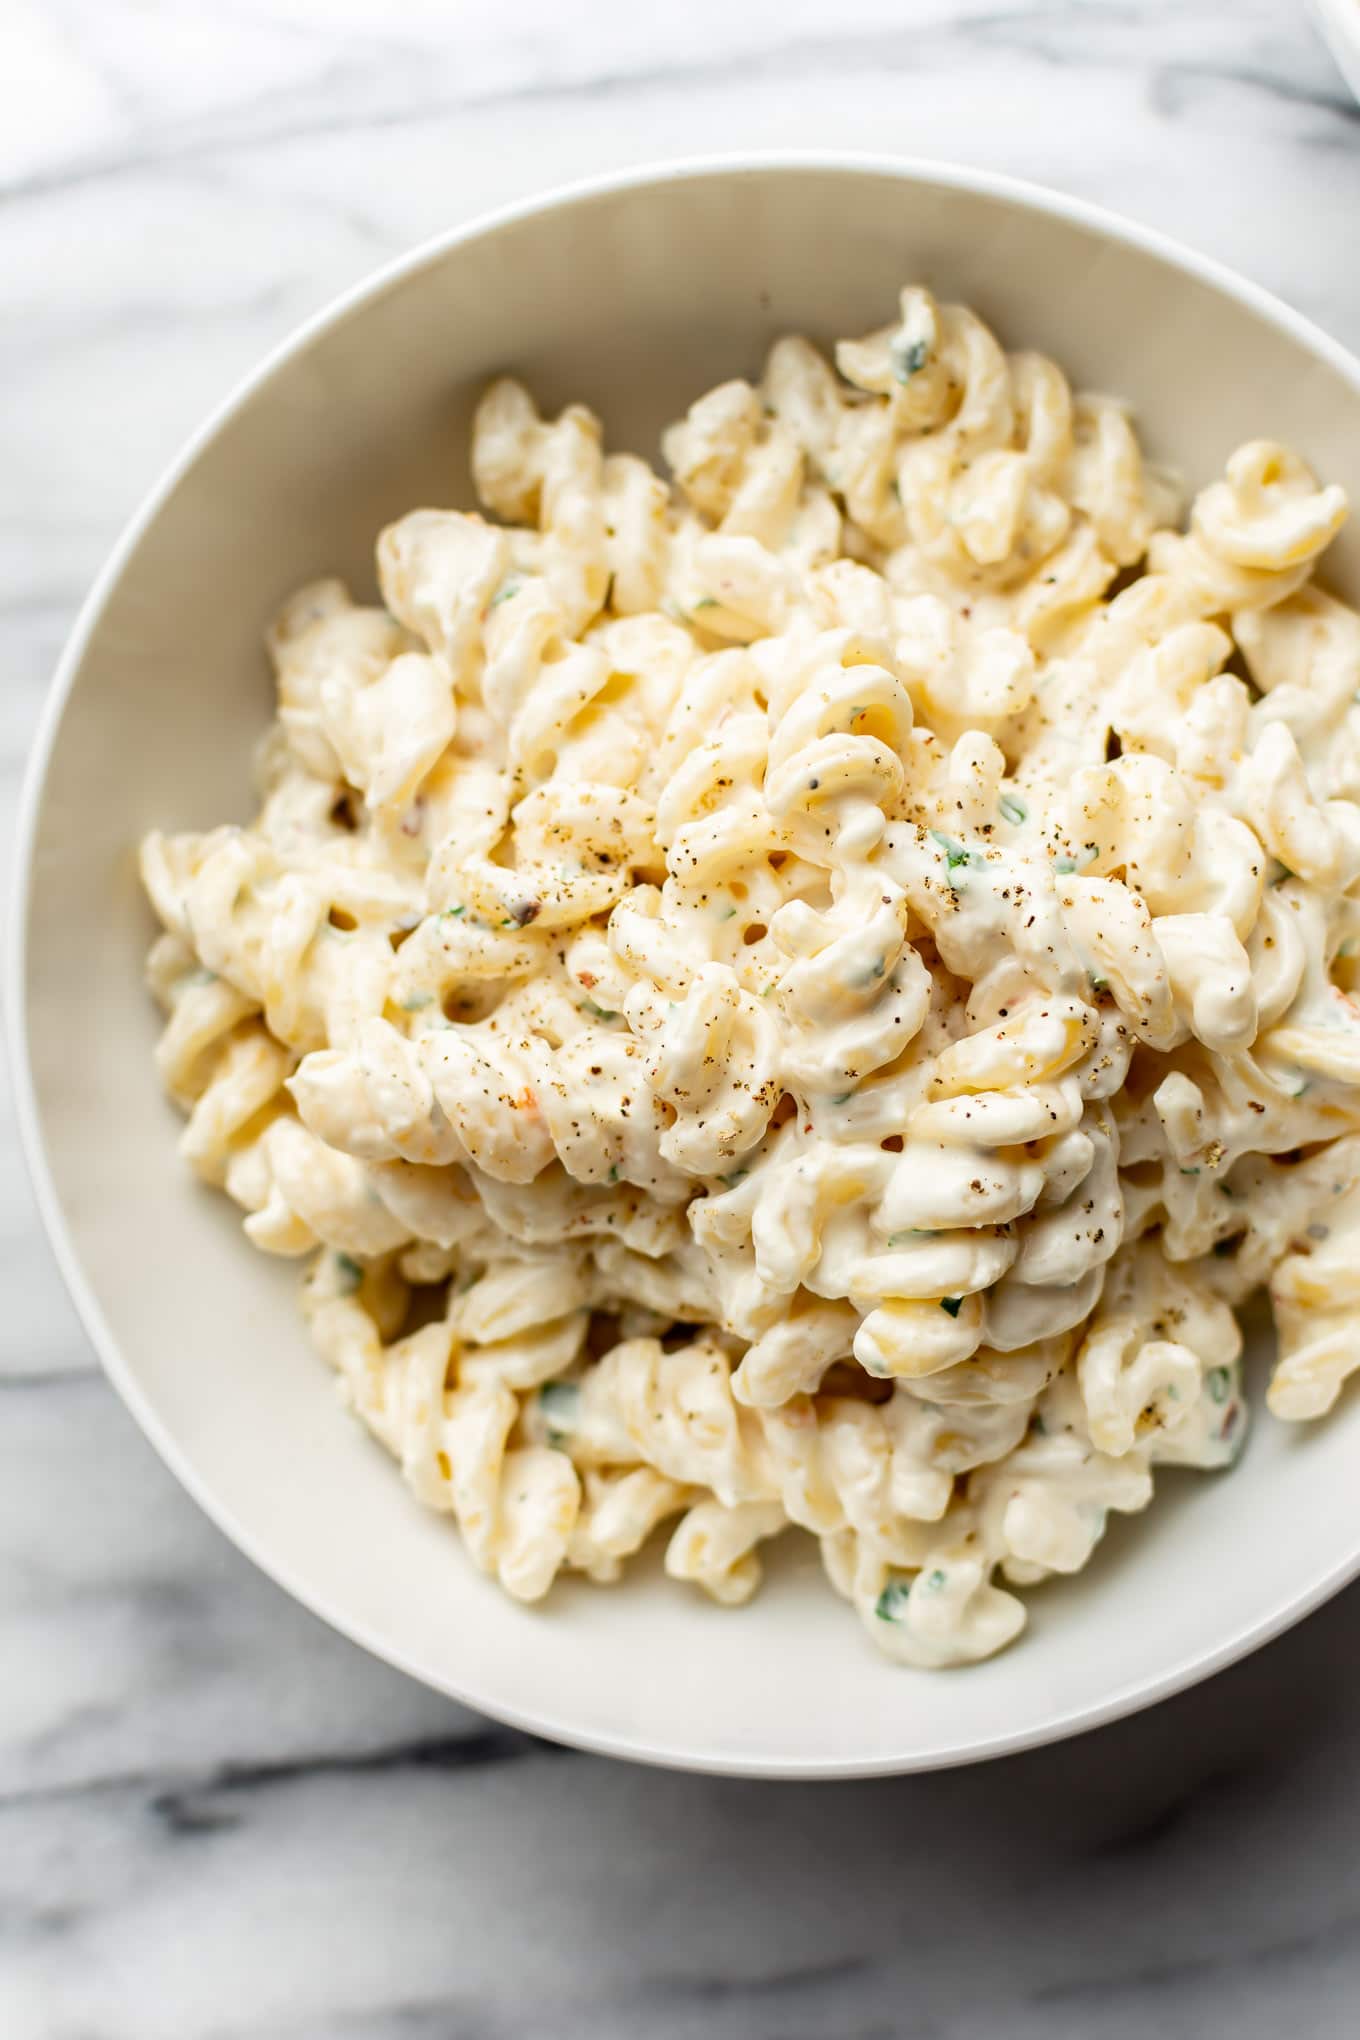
[
  {"x": 507, "y": 590},
  {"x": 1218, "y": 1381},
  {"x": 1013, "y": 810}
]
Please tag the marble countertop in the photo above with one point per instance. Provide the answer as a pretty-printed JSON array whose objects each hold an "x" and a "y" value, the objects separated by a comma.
[{"x": 218, "y": 1819}]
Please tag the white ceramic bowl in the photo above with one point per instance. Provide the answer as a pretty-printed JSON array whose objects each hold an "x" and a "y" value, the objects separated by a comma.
[
  {"x": 1340, "y": 21},
  {"x": 634, "y": 295}
]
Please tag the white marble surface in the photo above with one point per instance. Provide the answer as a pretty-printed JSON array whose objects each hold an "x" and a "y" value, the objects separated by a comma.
[{"x": 217, "y": 1819}]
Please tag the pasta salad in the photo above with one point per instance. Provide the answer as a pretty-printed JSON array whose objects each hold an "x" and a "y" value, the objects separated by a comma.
[{"x": 807, "y": 993}]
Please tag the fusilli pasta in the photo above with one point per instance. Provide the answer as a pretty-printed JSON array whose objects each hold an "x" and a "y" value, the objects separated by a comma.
[{"x": 804, "y": 995}]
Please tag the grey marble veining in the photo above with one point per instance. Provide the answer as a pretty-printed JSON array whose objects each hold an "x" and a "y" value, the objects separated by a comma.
[{"x": 217, "y": 1820}]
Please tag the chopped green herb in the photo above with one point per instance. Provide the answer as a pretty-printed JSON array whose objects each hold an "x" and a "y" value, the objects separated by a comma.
[
  {"x": 936, "y": 1579},
  {"x": 597, "y": 1012},
  {"x": 560, "y": 1402},
  {"x": 453, "y": 913},
  {"x": 504, "y": 593},
  {"x": 955, "y": 853},
  {"x": 907, "y": 357},
  {"x": 704, "y": 602},
  {"x": 842, "y": 1097},
  {"x": 1099, "y": 983},
  {"x": 613, "y": 1175},
  {"x": 957, "y": 859},
  {"x": 891, "y": 1605},
  {"x": 730, "y": 915},
  {"x": 351, "y": 1271},
  {"x": 953, "y": 1304},
  {"x": 1218, "y": 1381},
  {"x": 1013, "y": 810},
  {"x": 1190, "y": 1172},
  {"x": 1064, "y": 864}
]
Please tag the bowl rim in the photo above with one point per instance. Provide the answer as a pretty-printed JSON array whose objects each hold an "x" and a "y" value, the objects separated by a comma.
[
  {"x": 1339, "y": 23},
  {"x": 540, "y": 1719}
]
